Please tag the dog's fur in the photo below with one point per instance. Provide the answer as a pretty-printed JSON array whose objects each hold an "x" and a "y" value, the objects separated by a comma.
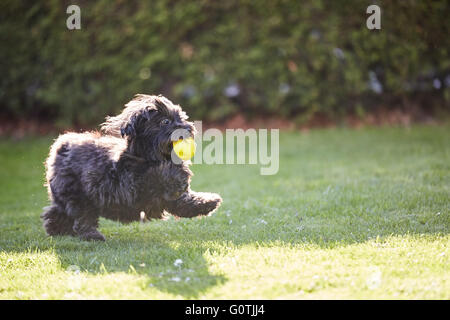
[{"x": 122, "y": 173}]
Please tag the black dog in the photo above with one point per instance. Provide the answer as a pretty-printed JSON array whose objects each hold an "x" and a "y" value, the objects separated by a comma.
[{"x": 122, "y": 173}]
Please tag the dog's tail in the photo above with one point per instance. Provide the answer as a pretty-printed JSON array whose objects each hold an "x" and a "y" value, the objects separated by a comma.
[{"x": 56, "y": 221}]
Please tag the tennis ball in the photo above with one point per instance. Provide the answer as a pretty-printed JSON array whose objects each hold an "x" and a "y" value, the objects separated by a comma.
[{"x": 184, "y": 148}]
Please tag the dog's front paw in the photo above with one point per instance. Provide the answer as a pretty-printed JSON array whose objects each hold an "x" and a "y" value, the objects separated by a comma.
[
  {"x": 207, "y": 203},
  {"x": 192, "y": 204}
]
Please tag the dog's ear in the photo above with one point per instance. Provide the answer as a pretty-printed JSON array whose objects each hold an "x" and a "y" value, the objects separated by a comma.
[
  {"x": 126, "y": 123},
  {"x": 130, "y": 127}
]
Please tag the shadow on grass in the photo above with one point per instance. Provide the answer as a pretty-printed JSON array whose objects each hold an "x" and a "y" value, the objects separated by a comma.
[
  {"x": 161, "y": 259},
  {"x": 167, "y": 264}
]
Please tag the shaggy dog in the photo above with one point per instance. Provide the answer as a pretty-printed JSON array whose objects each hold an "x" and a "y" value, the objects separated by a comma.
[{"x": 122, "y": 173}]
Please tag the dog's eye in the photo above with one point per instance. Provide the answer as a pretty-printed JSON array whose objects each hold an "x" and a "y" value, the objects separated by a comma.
[{"x": 165, "y": 122}]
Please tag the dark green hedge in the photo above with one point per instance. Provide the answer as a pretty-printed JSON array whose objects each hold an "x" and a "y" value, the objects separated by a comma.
[{"x": 216, "y": 58}]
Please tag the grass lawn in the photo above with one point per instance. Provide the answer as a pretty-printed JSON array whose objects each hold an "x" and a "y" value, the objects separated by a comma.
[{"x": 352, "y": 214}]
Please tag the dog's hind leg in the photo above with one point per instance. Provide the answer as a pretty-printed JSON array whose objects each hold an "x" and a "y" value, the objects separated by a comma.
[
  {"x": 192, "y": 204},
  {"x": 85, "y": 221},
  {"x": 56, "y": 221},
  {"x": 86, "y": 228}
]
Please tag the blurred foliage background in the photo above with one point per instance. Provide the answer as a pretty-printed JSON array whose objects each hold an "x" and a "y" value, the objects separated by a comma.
[{"x": 293, "y": 59}]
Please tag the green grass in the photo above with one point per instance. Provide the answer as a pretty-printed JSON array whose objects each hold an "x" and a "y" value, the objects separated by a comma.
[{"x": 351, "y": 215}]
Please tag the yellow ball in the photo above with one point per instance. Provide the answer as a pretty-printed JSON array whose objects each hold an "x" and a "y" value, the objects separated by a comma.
[{"x": 184, "y": 148}]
